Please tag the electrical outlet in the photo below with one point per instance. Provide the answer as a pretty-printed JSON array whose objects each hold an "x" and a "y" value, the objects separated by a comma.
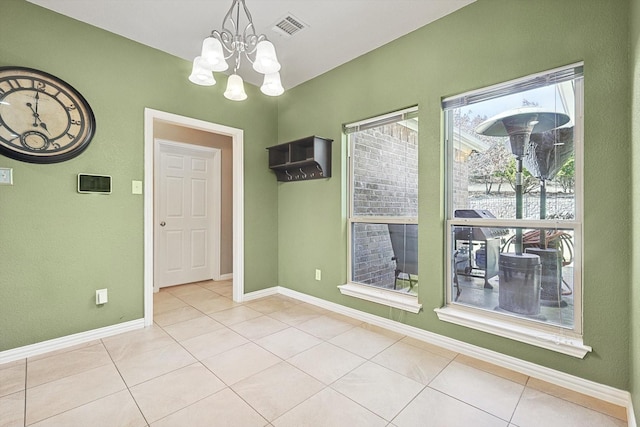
[
  {"x": 318, "y": 274},
  {"x": 101, "y": 296},
  {"x": 6, "y": 176}
]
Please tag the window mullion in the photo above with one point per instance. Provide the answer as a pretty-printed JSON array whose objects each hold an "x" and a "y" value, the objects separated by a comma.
[
  {"x": 513, "y": 223},
  {"x": 384, "y": 220}
]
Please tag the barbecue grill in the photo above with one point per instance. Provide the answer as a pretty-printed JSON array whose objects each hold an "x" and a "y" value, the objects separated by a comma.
[{"x": 480, "y": 247}]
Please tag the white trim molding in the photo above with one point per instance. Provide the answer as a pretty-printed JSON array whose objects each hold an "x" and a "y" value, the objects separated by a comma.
[
  {"x": 631, "y": 415},
  {"x": 68, "y": 341},
  {"x": 237, "y": 138},
  {"x": 393, "y": 299},
  {"x": 577, "y": 384},
  {"x": 570, "y": 345},
  {"x": 599, "y": 391},
  {"x": 260, "y": 294},
  {"x": 226, "y": 276}
]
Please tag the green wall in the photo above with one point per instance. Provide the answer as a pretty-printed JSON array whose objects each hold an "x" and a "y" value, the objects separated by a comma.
[
  {"x": 57, "y": 246},
  {"x": 634, "y": 44},
  {"x": 487, "y": 42}
]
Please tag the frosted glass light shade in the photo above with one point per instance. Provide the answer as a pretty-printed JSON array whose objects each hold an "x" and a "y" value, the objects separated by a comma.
[
  {"x": 235, "y": 88},
  {"x": 201, "y": 74},
  {"x": 213, "y": 54},
  {"x": 272, "y": 85},
  {"x": 266, "y": 61}
]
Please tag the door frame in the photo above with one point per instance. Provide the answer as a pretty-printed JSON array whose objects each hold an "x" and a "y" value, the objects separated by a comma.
[
  {"x": 214, "y": 192},
  {"x": 237, "y": 137}
]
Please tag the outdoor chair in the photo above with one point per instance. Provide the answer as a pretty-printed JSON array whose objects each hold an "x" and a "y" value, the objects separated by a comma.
[{"x": 404, "y": 241}]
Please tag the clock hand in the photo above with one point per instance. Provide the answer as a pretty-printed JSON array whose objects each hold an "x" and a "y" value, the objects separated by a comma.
[
  {"x": 43, "y": 125},
  {"x": 35, "y": 115}
]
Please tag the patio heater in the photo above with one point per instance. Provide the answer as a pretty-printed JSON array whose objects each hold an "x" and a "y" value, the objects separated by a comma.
[
  {"x": 520, "y": 272},
  {"x": 548, "y": 152}
]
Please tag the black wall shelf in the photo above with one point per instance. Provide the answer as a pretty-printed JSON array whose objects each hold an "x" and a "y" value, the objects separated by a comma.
[{"x": 302, "y": 159}]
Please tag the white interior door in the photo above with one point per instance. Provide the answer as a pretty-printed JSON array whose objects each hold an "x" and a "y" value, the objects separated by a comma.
[{"x": 187, "y": 213}]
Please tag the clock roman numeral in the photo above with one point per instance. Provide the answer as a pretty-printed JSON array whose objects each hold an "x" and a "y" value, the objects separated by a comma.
[{"x": 13, "y": 83}]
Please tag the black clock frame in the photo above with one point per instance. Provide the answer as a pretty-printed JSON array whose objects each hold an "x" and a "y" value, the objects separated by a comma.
[{"x": 53, "y": 158}]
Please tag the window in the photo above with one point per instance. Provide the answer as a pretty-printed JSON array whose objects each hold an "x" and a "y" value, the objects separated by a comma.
[
  {"x": 383, "y": 209},
  {"x": 514, "y": 218}
]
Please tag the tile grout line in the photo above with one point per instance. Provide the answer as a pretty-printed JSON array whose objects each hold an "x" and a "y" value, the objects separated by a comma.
[
  {"x": 515, "y": 408},
  {"x": 365, "y": 359},
  {"x": 469, "y": 404},
  {"x": 197, "y": 361},
  {"x": 249, "y": 405},
  {"x": 66, "y": 376},
  {"x": 324, "y": 387},
  {"x": 125, "y": 384},
  {"x": 227, "y": 386},
  {"x": 408, "y": 403}
]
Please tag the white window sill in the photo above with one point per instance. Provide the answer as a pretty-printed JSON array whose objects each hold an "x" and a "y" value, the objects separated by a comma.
[
  {"x": 561, "y": 343},
  {"x": 399, "y": 300}
]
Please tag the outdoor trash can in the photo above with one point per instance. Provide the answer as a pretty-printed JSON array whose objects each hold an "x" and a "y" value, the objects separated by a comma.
[
  {"x": 519, "y": 281},
  {"x": 551, "y": 276}
]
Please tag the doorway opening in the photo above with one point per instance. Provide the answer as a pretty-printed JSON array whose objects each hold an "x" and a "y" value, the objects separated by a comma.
[{"x": 154, "y": 119}]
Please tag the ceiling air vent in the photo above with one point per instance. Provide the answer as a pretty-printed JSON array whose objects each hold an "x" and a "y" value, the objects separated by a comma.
[{"x": 289, "y": 25}]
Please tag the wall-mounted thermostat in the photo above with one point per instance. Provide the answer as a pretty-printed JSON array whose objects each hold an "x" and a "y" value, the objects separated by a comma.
[{"x": 88, "y": 183}]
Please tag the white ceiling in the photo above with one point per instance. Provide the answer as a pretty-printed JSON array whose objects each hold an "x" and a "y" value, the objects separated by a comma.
[{"x": 338, "y": 30}]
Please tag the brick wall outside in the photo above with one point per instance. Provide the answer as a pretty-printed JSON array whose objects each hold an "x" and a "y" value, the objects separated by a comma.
[{"x": 385, "y": 169}]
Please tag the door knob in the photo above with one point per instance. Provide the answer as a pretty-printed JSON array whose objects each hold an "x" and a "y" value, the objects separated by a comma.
[{"x": 162, "y": 224}]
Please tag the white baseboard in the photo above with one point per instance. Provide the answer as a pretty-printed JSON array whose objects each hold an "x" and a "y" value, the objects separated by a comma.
[
  {"x": 260, "y": 294},
  {"x": 227, "y": 276},
  {"x": 68, "y": 341},
  {"x": 571, "y": 382}
]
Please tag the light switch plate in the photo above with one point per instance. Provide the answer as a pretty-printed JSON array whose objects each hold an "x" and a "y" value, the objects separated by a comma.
[
  {"x": 6, "y": 176},
  {"x": 136, "y": 187}
]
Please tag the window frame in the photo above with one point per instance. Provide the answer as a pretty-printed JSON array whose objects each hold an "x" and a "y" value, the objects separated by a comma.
[
  {"x": 395, "y": 299},
  {"x": 535, "y": 332}
]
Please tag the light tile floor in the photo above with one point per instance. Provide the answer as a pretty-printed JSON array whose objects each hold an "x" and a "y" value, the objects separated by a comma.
[{"x": 275, "y": 362}]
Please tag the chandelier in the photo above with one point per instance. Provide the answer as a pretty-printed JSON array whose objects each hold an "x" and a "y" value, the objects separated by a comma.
[{"x": 233, "y": 43}]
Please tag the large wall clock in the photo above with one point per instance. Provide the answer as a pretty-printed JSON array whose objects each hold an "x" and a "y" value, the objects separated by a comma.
[{"x": 42, "y": 118}]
